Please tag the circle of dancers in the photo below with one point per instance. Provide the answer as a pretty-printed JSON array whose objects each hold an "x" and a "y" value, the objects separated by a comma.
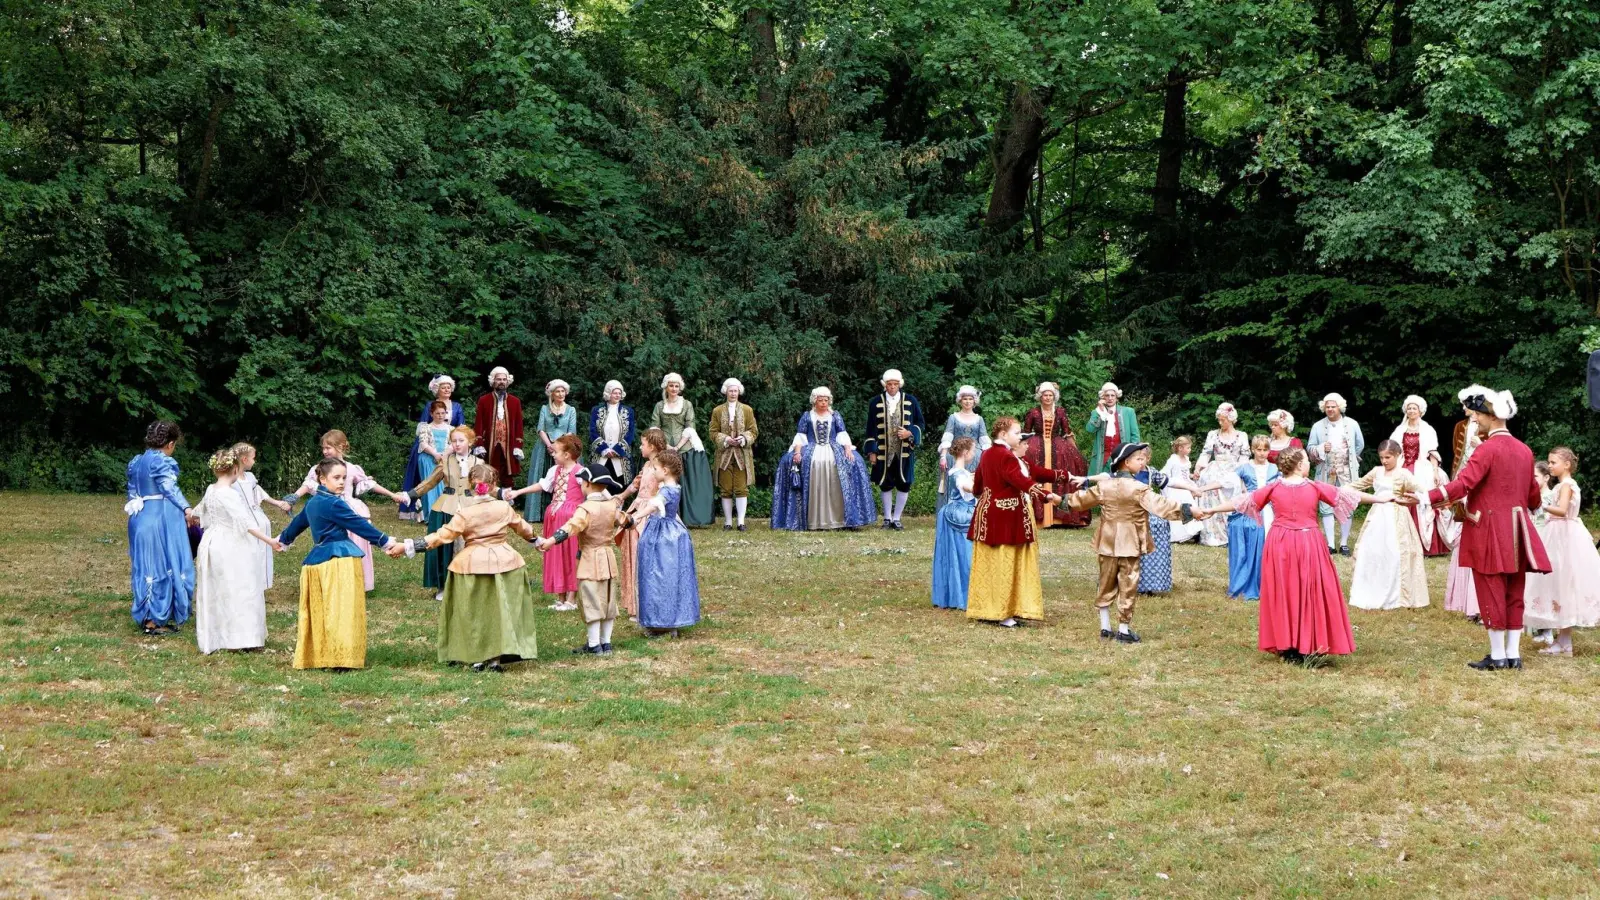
[{"x": 614, "y": 538}]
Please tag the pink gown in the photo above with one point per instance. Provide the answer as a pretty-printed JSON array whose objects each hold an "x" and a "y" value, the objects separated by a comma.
[
  {"x": 1302, "y": 606},
  {"x": 356, "y": 482},
  {"x": 561, "y": 561},
  {"x": 1568, "y": 597},
  {"x": 628, "y": 541}
]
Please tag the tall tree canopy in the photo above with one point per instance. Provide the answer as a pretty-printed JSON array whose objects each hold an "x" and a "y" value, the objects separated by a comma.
[{"x": 268, "y": 215}]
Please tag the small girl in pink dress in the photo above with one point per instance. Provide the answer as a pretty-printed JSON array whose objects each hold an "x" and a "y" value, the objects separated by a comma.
[
  {"x": 357, "y": 482},
  {"x": 1302, "y": 606},
  {"x": 561, "y": 483},
  {"x": 1568, "y": 597}
]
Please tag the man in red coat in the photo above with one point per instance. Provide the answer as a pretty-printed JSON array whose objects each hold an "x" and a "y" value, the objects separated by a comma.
[
  {"x": 499, "y": 427},
  {"x": 1498, "y": 540}
]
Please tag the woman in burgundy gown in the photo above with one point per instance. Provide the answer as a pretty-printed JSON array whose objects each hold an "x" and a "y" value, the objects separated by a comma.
[
  {"x": 1050, "y": 445},
  {"x": 1419, "y": 454},
  {"x": 1302, "y": 606}
]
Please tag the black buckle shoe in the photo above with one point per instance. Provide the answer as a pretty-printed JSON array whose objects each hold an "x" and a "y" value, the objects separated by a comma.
[
  {"x": 741, "y": 526},
  {"x": 1514, "y": 662},
  {"x": 1488, "y": 663},
  {"x": 1344, "y": 550},
  {"x": 605, "y": 649},
  {"x": 579, "y": 651},
  {"x": 727, "y": 527},
  {"x": 898, "y": 526},
  {"x": 1126, "y": 637},
  {"x": 1105, "y": 634}
]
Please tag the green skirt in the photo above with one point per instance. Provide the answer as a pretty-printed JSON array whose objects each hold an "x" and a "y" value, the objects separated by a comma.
[
  {"x": 486, "y": 616},
  {"x": 436, "y": 562},
  {"x": 699, "y": 489}
]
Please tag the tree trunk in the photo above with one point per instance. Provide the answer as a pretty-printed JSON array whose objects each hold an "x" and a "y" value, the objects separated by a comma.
[
  {"x": 1017, "y": 144},
  {"x": 761, "y": 34},
  {"x": 208, "y": 145},
  {"x": 1174, "y": 137}
]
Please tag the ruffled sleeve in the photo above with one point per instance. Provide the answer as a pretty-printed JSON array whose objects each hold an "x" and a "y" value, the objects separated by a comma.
[
  {"x": 1252, "y": 504},
  {"x": 1344, "y": 500},
  {"x": 166, "y": 478}
]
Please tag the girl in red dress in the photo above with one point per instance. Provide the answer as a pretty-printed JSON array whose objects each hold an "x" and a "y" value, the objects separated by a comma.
[{"x": 1302, "y": 607}]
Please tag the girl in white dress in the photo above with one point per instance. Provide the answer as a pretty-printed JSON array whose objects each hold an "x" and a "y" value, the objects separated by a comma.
[
  {"x": 1568, "y": 597},
  {"x": 1176, "y": 468},
  {"x": 1389, "y": 573},
  {"x": 230, "y": 606},
  {"x": 254, "y": 496}
]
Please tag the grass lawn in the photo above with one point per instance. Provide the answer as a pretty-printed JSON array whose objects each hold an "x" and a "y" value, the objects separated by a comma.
[{"x": 824, "y": 732}]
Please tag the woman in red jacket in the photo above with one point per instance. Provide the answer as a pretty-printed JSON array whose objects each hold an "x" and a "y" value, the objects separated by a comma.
[{"x": 1005, "y": 582}]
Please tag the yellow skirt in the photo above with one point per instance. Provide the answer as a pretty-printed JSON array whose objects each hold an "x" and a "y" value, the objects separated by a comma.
[
  {"x": 1005, "y": 583},
  {"x": 333, "y": 616}
]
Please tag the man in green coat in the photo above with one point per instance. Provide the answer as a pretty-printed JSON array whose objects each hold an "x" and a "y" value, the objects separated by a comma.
[{"x": 1110, "y": 423}]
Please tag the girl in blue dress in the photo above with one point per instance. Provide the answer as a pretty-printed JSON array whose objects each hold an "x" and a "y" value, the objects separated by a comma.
[
  {"x": 158, "y": 534},
  {"x": 1247, "y": 538},
  {"x": 441, "y": 387},
  {"x": 952, "y": 548},
  {"x": 433, "y": 439},
  {"x": 669, "y": 588}
]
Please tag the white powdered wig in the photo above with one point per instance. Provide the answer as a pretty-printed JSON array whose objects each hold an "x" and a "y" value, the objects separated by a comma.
[
  {"x": 554, "y": 383},
  {"x": 1338, "y": 401},
  {"x": 613, "y": 383},
  {"x": 1226, "y": 411},
  {"x": 732, "y": 384},
  {"x": 433, "y": 386},
  {"x": 820, "y": 392},
  {"x": 1108, "y": 386},
  {"x": 893, "y": 375},
  {"x": 1421, "y": 404},
  {"x": 1038, "y": 392}
]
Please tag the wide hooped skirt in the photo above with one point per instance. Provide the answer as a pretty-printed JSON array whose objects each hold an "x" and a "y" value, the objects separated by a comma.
[
  {"x": 333, "y": 616},
  {"x": 487, "y": 616},
  {"x": 1005, "y": 583}
]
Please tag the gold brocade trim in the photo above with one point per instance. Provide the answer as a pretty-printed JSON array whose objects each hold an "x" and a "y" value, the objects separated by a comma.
[
  {"x": 1013, "y": 503},
  {"x": 980, "y": 518}
]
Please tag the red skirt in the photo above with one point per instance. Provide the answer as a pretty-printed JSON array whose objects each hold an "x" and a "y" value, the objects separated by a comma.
[{"x": 1302, "y": 607}]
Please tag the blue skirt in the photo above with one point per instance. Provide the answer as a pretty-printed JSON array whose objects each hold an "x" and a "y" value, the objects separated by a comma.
[
  {"x": 952, "y": 553},
  {"x": 669, "y": 588},
  {"x": 1246, "y": 541},
  {"x": 163, "y": 568},
  {"x": 1155, "y": 567}
]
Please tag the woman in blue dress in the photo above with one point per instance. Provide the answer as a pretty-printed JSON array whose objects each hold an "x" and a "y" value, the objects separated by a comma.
[
  {"x": 556, "y": 418},
  {"x": 442, "y": 386},
  {"x": 158, "y": 534},
  {"x": 669, "y": 588},
  {"x": 1247, "y": 538},
  {"x": 952, "y": 548},
  {"x": 822, "y": 483},
  {"x": 963, "y": 423}
]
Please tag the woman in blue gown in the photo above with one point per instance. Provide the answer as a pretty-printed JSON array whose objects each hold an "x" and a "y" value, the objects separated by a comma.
[
  {"x": 158, "y": 534},
  {"x": 1247, "y": 538},
  {"x": 442, "y": 386},
  {"x": 963, "y": 423},
  {"x": 952, "y": 549},
  {"x": 822, "y": 482},
  {"x": 669, "y": 588}
]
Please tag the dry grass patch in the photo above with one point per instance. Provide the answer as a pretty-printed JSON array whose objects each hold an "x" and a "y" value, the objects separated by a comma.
[{"x": 823, "y": 733}]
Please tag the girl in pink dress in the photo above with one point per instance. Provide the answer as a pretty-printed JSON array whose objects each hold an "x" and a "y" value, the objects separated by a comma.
[
  {"x": 647, "y": 484},
  {"x": 1568, "y": 597},
  {"x": 357, "y": 482},
  {"x": 561, "y": 483},
  {"x": 1302, "y": 606}
]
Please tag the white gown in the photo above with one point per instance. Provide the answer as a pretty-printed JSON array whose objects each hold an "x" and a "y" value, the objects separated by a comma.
[
  {"x": 253, "y": 495},
  {"x": 230, "y": 604},
  {"x": 1388, "y": 573},
  {"x": 1178, "y": 467}
]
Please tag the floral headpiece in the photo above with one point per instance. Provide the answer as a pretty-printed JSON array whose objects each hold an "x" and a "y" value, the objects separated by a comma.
[{"x": 224, "y": 459}]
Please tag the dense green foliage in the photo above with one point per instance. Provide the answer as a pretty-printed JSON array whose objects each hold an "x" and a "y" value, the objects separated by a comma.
[{"x": 269, "y": 218}]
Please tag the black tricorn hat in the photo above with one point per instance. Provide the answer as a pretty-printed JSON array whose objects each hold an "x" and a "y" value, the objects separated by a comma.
[{"x": 1123, "y": 452}]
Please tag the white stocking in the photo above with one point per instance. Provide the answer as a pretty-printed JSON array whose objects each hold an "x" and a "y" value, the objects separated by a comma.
[
  {"x": 605, "y": 630},
  {"x": 1514, "y": 643},
  {"x": 1344, "y": 533},
  {"x": 1497, "y": 644},
  {"x": 888, "y": 506},
  {"x": 1327, "y": 528},
  {"x": 594, "y": 634},
  {"x": 900, "y": 498},
  {"x": 727, "y": 510},
  {"x": 740, "y": 503},
  {"x": 1105, "y": 620}
]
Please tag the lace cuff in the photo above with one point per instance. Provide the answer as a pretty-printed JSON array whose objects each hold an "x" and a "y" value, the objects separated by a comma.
[{"x": 1345, "y": 504}]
